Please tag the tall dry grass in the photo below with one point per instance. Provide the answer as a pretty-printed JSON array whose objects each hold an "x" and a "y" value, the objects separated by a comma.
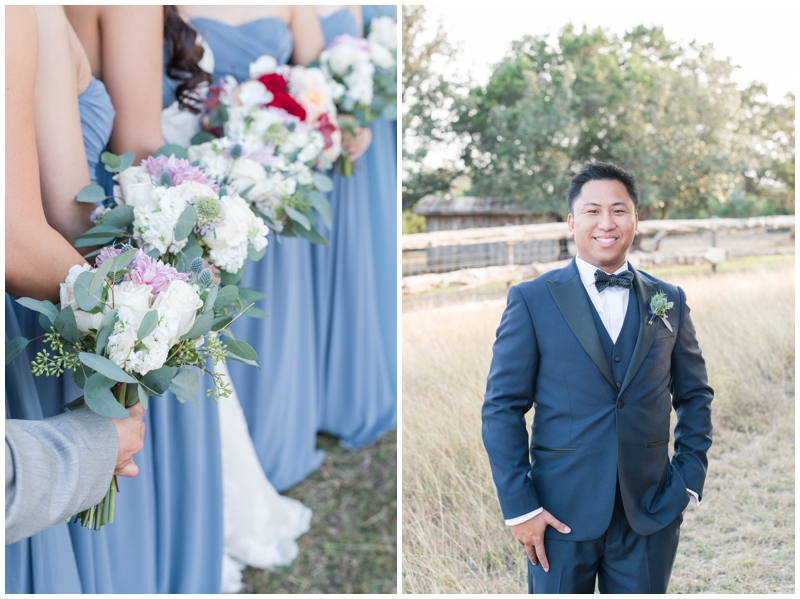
[{"x": 741, "y": 539}]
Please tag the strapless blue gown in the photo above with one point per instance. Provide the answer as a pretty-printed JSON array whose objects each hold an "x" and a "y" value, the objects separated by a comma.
[
  {"x": 381, "y": 166},
  {"x": 357, "y": 396},
  {"x": 279, "y": 401}
]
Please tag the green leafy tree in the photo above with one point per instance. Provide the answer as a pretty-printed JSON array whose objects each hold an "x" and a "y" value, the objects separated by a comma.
[
  {"x": 669, "y": 113},
  {"x": 427, "y": 100}
]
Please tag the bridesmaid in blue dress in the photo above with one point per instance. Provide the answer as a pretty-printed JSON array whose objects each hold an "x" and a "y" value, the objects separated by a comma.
[
  {"x": 358, "y": 401},
  {"x": 167, "y": 536},
  {"x": 279, "y": 401},
  {"x": 380, "y": 161}
]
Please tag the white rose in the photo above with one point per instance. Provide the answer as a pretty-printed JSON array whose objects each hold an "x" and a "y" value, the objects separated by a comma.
[
  {"x": 136, "y": 187},
  {"x": 342, "y": 57},
  {"x": 228, "y": 241},
  {"x": 66, "y": 289},
  {"x": 275, "y": 187},
  {"x": 178, "y": 304},
  {"x": 86, "y": 321},
  {"x": 254, "y": 93},
  {"x": 247, "y": 172},
  {"x": 133, "y": 296},
  {"x": 191, "y": 191},
  {"x": 262, "y": 66}
]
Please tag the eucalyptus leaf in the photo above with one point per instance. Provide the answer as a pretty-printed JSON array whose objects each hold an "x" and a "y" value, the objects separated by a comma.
[
  {"x": 158, "y": 380},
  {"x": 85, "y": 300},
  {"x": 112, "y": 161},
  {"x": 97, "y": 385},
  {"x": 107, "y": 406},
  {"x": 110, "y": 319},
  {"x": 254, "y": 254},
  {"x": 65, "y": 324},
  {"x": 131, "y": 395},
  {"x": 240, "y": 349},
  {"x": 185, "y": 224},
  {"x": 144, "y": 398},
  {"x": 154, "y": 254},
  {"x": 254, "y": 312},
  {"x": 45, "y": 307},
  {"x": 249, "y": 296},
  {"x": 226, "y": 295},
  {"x": 201, "y": 326},
  {"x": 220, "y": 322},
  {"x": 202, "y": 138},
  {"x": 103, "y": 230},
  {"x": 102, "y": 339},
  {"x": 172, "y": 150},
  {"x": 83, "y": 242},
  {"x": 186, "y": 385},
  {"x": 321, "y": 182},
  {"x": 121, "y": 216},
  {"x": 14, "y": 347},
  {"x": 227, "y": 278},
  {"x": 313, "y": 236},
  {"x": 211, "y": 298},
  {"x": 389, "y": 112},
  {"x": 149, "y": 322},
  {"x": 92, "y": 194},
  {"x": 323, "y": 206},
  {"x": 298, "y": 217},
  {"x": 105, "y": 367},
  {"x": 124, "y": 259},
  {"x": 126, "y": 160}
]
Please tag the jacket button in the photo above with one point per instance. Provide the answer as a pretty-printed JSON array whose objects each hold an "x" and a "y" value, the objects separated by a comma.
[
  {"x": 620, "y": 404},
  {"x": 617, "y": 359},
  {"x": 619, "y": 384}
]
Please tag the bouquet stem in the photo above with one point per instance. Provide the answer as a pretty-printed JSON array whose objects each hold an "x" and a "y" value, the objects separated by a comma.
[
  {"x": 347, "y": 165},
  {"x": 97, "y": 516}
]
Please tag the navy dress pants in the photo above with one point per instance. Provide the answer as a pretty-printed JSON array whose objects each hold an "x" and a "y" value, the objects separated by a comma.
[{"x": 621, "y": 560}]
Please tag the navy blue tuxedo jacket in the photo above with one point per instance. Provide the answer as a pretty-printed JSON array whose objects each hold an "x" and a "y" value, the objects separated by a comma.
[{"x": 595, "y": 421}]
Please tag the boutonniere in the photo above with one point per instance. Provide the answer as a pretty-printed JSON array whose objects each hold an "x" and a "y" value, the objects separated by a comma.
[{"x": 659, "y": 306}]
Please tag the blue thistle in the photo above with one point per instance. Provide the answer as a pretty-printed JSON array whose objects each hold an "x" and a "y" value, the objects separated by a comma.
[
  {"x": 166, "y": 179},
  {"x": 196, "y": 266},
  {"x": 204, "y": 280}
]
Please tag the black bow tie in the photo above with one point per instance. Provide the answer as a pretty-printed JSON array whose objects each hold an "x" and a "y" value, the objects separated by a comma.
[{"x": 603, "y": 279}]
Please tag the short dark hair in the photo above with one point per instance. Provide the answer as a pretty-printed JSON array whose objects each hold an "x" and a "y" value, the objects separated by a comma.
[{"x": 602, "y": 171}]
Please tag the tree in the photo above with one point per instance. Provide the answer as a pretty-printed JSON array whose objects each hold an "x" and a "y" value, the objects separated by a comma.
[
  {"x": 671, "y": 114},
  {"x": 427, "y": 98}
]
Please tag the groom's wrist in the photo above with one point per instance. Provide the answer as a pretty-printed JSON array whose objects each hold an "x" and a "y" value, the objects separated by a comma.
[{"x": 524, "y": 517}]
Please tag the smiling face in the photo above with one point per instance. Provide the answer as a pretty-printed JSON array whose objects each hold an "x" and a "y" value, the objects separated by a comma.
[{"x": 603, "y": 222}]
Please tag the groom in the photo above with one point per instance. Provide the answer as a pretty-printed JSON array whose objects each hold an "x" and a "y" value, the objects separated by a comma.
[{"x": 597, "y": 496}]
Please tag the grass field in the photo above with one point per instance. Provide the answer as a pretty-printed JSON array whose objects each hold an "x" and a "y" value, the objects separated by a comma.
[
  {"x": 352, "y": 544},
  {"x": 740, "y": 540}
]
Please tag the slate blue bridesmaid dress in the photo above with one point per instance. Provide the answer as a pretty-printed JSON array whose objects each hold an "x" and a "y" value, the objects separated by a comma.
[
  {"x": 279, "y": 401},
  {"x": 48, "y": 562},
  {"x": 357, "y": 396},
  {"x": 167, "y": 534},
  {"x": 380, "y": 160}
]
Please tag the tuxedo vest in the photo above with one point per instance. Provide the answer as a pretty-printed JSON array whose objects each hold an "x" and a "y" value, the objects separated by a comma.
[{"x": 619, "y": 354}]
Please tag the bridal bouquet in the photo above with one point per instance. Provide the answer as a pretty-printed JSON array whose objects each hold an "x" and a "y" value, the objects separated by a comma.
[
  {"x": 172, "y": 209},
  {"x": 366, "y": 74},
  {"x": 130, "y": 328},
  {"x": 266, "y": 151}
]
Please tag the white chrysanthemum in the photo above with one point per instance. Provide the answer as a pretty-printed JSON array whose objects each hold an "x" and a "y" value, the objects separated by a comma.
[
  {"x": 156, "y": 225},
  {"x": 227, "y": 243}
]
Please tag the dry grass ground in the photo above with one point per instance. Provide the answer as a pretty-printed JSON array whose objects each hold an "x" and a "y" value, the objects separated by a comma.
[
  {"x": 352, "y": 544},
  {"x": 740, "y": 540}
]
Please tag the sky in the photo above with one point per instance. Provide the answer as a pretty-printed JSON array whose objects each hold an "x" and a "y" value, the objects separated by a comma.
[{"x": 760, "y": 37}]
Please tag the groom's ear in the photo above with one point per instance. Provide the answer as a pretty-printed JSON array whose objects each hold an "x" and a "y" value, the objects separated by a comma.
[{"x": 571, "y": 224}]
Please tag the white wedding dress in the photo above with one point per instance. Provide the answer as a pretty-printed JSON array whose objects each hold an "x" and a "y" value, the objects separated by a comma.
[{"x": 260, "y": 525}]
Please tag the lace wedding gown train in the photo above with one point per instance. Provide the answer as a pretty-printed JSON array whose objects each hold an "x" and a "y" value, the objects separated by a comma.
[{"x": 260, "y": 525}]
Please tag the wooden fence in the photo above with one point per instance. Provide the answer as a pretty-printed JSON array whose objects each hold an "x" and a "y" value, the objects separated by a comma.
[{"x": 647, "y": 255}]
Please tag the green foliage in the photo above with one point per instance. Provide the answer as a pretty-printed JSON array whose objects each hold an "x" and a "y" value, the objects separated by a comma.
[
  {"x": 413, "y": 223},
  {"x": 671, "y": 114},
  {"x": 428, "y": 99}
]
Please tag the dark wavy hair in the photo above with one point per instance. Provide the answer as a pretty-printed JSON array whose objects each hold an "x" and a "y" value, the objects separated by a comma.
[
  {"x": 183, "y": 56},
  {"x": 602, "y": 171}
]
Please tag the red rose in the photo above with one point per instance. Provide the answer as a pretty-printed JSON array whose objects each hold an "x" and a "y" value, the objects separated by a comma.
[
  {"x": 273, "y": 82},
  {"x": 277, "y": 85}
]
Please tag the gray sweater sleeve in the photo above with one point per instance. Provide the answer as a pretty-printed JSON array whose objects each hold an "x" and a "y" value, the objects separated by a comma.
[{"x": 55, "y": 468}]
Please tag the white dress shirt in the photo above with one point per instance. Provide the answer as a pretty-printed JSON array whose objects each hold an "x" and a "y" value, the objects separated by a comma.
[{"x": 611, "y": 305}]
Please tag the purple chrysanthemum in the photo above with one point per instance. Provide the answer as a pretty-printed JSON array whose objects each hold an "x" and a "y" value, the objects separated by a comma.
[
  {"x": 105, "y": 254},
  {"x": 178, "y": 169},
  {"x": 156, "y": 274},
  {"x": 263, "y": 155}
]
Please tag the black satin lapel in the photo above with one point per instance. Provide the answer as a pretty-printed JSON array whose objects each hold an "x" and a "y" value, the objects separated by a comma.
[
  {"x": 570, "y": 297},
  {"x": 647, "y": 333}
]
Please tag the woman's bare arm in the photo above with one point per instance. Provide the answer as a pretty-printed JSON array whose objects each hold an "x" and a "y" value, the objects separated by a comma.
[
  {"x": 37, "y": 257},
  {"x": 62, "y": 160},
  {"x": 307, "y": 34}
]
